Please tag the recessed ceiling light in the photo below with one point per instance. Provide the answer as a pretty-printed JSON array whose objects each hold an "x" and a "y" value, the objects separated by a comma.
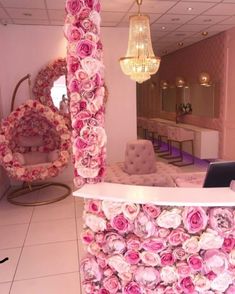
[
  {"x": 180, "y": 44},
  {"x": 27, "y": 14},
  {"x": 175, "y": 19},
  {"x": 207, "y": 20},
  {"x": 189, "y": 8},
  {"x": 163, "y": 28},
  {"x": 204, "y": 33}
]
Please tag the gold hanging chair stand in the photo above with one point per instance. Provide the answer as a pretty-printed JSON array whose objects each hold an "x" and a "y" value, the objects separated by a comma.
[{"x": 26, "y": 187}]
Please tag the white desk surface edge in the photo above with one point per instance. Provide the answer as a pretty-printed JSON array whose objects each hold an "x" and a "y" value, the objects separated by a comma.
[{"x": 158, "y": 195}]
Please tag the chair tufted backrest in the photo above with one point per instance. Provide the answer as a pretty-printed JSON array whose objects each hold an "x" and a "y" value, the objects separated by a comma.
[
  {"x": 180, "y": 134},
  {"x": 139, "y": 158}
]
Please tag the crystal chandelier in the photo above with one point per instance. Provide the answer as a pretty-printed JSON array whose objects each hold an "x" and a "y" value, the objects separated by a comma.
[{"x": 140, "y": 62}]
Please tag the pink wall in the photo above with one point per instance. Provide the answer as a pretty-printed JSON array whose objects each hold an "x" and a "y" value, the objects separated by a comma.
[
  {"x": 206, "y": 56},
  {"x": 229, "y": 102},
  {"x": 26, "y": 49}
]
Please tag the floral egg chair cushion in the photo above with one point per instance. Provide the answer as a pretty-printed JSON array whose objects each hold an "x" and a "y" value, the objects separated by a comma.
[{"x": 34, "y": 131}]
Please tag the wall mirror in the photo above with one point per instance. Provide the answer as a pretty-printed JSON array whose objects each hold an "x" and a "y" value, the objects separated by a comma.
[
  {"x": 204, "y": 100},
  {"x": 50, "y": 86},
  {"x": 59, "y": 94}
]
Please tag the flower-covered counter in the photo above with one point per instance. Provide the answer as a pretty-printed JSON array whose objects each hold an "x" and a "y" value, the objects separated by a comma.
[{"x": 158, "y": 240}]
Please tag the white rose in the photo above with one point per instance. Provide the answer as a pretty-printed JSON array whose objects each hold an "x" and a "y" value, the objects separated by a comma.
[
  {"x": 86, "y": 172},
  {"x": 94, "y": 222},
  {"x": 119, "y": 264},
  {"x": 201, "y": 283},
  {"x": 111, "y": 209},
  {"x": 210, "y": 240},
  {"x": 191, "y": 245},
  {"x": 169, "y": 219},
  {"x": 169, "y": 274},
  {"x": 130, "y": 210},
  {"x": 221, "y": 282}
]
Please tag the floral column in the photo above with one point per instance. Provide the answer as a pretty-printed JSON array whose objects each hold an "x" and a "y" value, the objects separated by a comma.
[{"x": 86, "y": 86}]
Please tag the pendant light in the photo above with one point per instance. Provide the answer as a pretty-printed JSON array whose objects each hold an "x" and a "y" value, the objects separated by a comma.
[{"x": 140, "y": 62}]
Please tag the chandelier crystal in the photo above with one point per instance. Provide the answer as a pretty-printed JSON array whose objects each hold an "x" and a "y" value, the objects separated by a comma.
[{"x": 140, "y": 62}]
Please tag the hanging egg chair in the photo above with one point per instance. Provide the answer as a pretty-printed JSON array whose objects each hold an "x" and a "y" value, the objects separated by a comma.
[{"x": 34, "y": 146}]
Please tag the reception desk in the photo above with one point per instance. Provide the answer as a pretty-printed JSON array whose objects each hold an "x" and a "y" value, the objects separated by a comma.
[
  {"x": 158, "y": 240},
  {"x": 206, "y": 141}
]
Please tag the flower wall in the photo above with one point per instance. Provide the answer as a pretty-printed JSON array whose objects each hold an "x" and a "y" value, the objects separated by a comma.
[
  {"x": 86, "y": 86},
  {"x": 153, "y": 249}
]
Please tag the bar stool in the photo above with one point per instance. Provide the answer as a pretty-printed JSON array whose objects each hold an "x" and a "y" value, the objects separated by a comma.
[
  {"x": 162, "y": 133},
  {"x": 145, "y": 126},
  {"x": 152, "y": 131},
  {"x": 180, "y": 135}
]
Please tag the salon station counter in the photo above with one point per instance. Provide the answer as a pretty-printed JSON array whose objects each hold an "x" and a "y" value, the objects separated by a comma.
[
  {"x": 153, "y": 240},
  {"x": 206, "y": 141}
]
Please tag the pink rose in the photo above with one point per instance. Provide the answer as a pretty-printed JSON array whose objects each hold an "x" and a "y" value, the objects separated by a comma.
[
  {"x": 221, "y": 220},
  {"x": 111, "y": 284},
  {"x": 183, "y": 269},
  {"x": 163, "y": 233},
  {"x": 194, "y": 219},
  {"x": 120, "y": 223},
  {"x": 102, "y": 291},
  {"x": 147, "y": 277},
  {"x": 132, "y": 257},
  {"x": 216, "y": 261},
  {"x": 132, "y": 288},
  {"x": 133, "y": 242},
  {"x": 195, "y": 262},
  {"x": 73, "y": 6},
  {"x": 143, "y": 226},
  {"x": 151, "y": 210},
  {"x": 101, "y": 259},
  {"x": 230, "y": 290},
  {"x": 177, "y": 237},
  {"x": 85, "y": 48},
  {"x": 73, "y": 33},
  {"x": 187, "y": 285},
  {"x": 222, "y": 282},
  {"x": 167, "y": 258},
  {"x": 93, "y": 248},
  {"x": 228, "y": 245},
  {"x": 87, "y": 236},
  {"x": 113, "y": 243},
  {"x": 150, "y": 258},
  {"x": 154, "y": 244},
  {"x": 93, "y": 206},
  {"x": 130, "y": 210},
  {"x": 179, "y": 253},
  {"x": 74, "y": 85}
]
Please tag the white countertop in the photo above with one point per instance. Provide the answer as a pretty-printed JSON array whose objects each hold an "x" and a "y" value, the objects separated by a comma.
[
  {"x": 158, "y": 195},
  {"x": 183, "y": 125}
]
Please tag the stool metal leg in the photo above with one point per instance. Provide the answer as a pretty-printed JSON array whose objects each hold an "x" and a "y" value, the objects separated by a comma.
[{"x": 180, "y": 162}]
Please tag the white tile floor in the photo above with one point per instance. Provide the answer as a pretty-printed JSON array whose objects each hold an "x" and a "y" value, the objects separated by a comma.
[{"x": 43, "y": 246}]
